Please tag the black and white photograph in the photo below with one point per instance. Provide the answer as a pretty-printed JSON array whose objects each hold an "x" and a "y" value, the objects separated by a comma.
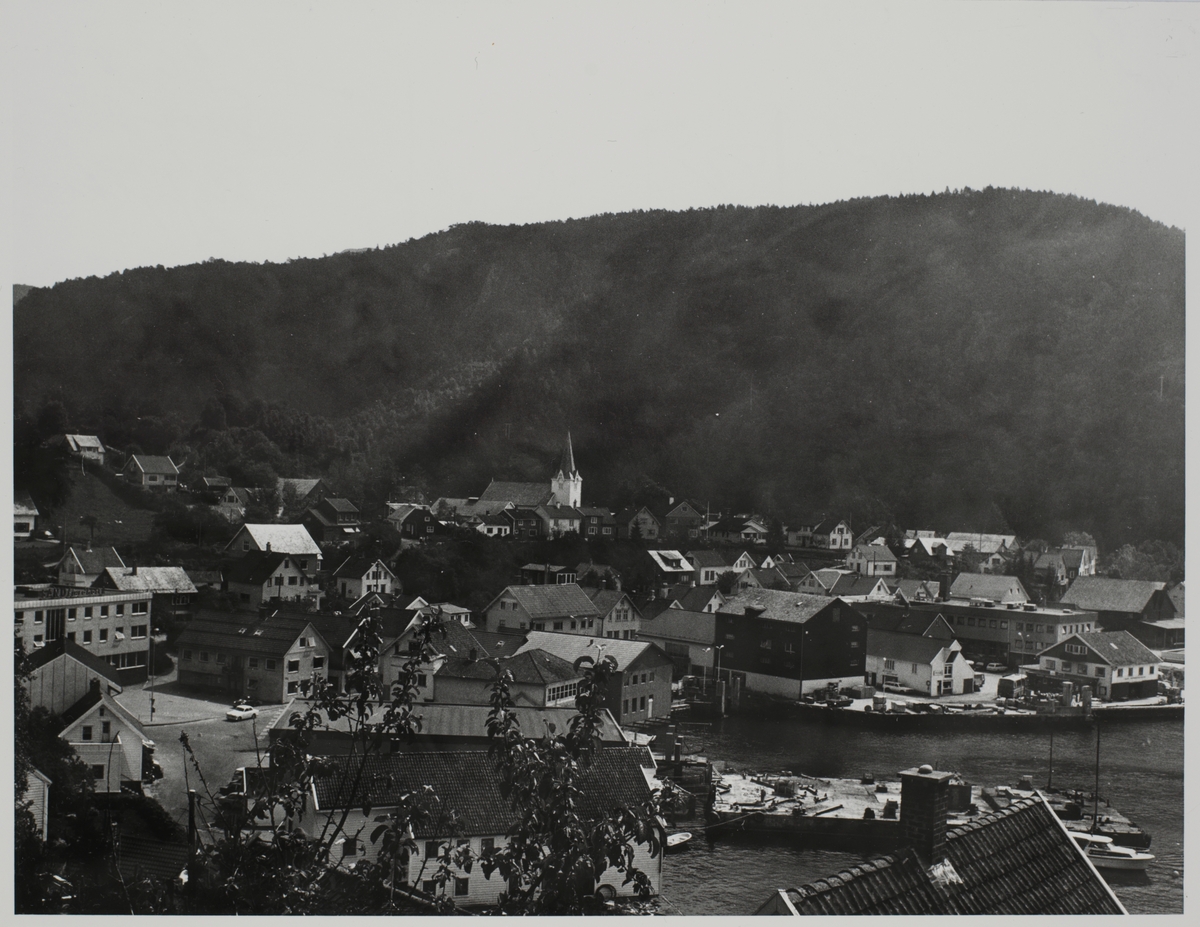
[{"x": 676, "y": 459}]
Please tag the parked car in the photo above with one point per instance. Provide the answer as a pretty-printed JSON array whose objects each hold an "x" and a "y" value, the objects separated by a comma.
[
  {"x": 241, "y": 712},
  {"x": 997, "y": 667}
]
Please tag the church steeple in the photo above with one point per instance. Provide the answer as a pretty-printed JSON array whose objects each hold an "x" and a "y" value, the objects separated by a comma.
[{"x": 567, "y": 484}]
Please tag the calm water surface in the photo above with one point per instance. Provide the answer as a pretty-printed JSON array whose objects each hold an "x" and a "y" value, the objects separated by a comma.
[{"x": 1141, "y": 774}]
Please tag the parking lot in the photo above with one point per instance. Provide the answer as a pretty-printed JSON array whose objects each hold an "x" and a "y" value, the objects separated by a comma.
[{"x": 220, "y": 746}]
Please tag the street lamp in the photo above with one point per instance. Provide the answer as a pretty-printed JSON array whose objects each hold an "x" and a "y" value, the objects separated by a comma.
[{"x": 716, "y": 660}]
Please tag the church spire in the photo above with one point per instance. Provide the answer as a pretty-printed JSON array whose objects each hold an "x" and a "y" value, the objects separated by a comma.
[{"x": 566, "y": 465}]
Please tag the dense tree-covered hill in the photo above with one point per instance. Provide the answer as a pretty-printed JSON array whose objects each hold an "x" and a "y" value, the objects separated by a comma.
[{"x": 977, "y": 358}]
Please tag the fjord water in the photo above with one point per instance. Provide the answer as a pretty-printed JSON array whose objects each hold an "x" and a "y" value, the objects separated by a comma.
[{"x": 1141, "y": 774}]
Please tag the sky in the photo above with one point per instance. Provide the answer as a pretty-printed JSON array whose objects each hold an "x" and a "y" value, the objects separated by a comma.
[{"x": 149, "y": 133}]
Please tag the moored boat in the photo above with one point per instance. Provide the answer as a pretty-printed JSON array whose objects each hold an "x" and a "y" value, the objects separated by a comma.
[
  {"x": 679, "y": 841},
  {"x": 1105, "y": 854}
]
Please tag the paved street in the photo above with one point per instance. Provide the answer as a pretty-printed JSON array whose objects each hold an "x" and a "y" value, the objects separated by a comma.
[{"x": 220, "y": 746}]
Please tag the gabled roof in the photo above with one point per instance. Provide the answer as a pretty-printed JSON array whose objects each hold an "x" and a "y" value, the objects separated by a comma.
[
  {"x": 466, "y": 783},
  {"x": 531, "y": 667},
  {"x": 571, "y": 647},
  {"x": 399, "y": 511},
  {"x": 828, "y": 525},
  {"x": 907, "y": 648},
  {"x": 551, "y": 601},
  {"x": 912, "y": 589},
  {"x": 246, "y": 632},
  {"x": 1073, "y": 556},
  {"x": 161, "y": 579},
  {"x": 531, "y": 494},
  {"x": 564, "y": 512},
  {"x": 1113, "y": 648},
  {"x": 595, "y": 511},
  {"x": 1020, "y": 860},
  {"x": 55, "y": 649},
  {"x": 94, "y": 561},
  {"x": 670, "y": 561},
  {"x": 697, "y": 597},
  {"x": 775, "y": 605},
  {"x": 358, "y": 565},
  {"x": 159, "y": 465},
  {"x": 608, "y": 599},
  {"x": 566, "y": 462},
  {"x": 79, "y": 442},
  {"x": 767, "y": 577},
  {"x": 254, "y": 567},
  {"x": 343, "y": 506},
  {"x": 854, "y": 584},
  {"x": 216, "y": 482},
  {"x": 1101, "y": 594},
  {"x": 301, "y": 487},
  {"x": 95, "y": 698},
  {"x": 712, "y": 559},
  {"x": 874, "y": 552},
  {"x": 1003, "y": 589},
  {"x": 23, "y": 504},
  {"x": 288, "y": 539},
  {"x": 984, "y": 543}
]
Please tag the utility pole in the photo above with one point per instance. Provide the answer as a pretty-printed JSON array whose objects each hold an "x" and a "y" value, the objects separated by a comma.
[{"x": 191, "y": 834}]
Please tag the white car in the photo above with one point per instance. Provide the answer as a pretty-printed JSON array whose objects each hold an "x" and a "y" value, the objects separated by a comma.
[
  {"x": 241, "y": 713},
  {"x": 997, "y": 667}
]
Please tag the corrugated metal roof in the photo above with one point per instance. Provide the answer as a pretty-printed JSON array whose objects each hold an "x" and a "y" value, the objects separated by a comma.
[
  {"x": 151, "y": 579},
  {"x": 777, "y": 605},
  {"x": 571, "y": 647},
  {"x": 286, "y": 539},
  {"x": 467, "y": 786}
]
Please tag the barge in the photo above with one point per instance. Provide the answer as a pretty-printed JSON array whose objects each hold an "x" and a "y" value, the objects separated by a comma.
[{"x": 866, "y": 813}]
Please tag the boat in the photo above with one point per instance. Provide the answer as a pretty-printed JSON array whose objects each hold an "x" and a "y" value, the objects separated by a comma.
[
  {"x": 1118, "y": 857},
  {"x": 679, "y": 841}
]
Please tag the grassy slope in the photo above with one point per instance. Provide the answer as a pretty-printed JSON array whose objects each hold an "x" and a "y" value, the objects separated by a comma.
[{"x": 118, "y": 524}]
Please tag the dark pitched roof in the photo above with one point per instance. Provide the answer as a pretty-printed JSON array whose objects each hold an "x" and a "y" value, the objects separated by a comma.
[
  {"x": 354, "y": 566},
  {"x": 608, "y": 599},
  {"x": 254, "y": 567},
  {"x": 245, "y": 632},
  {"x": 1101, "y": 594},
  {"x": 697, "y": 597},
  {"x": 854, "y": 584},
  {"x": 55, "y": 649},
  {"x": 1116, "y": 648},
  {"x": 1017, "y": 861},
  {"x": 535, "y": 667},
  {"x": 95, "y": 561},
  {"x": 713, "y": 559},
  {"x": 519, "y": 493},
  {"x": 466, "y": 783},
  {"x": 150, "y": 464},
  {"x": 553, "y": 601},
  {"x": 776, "y": 605},
  {"x": 907, "y": 648},
  {"x": 988, "y": 586},
  {"x": 340, "y": 505},
  {"x": 140, "y": 856},
  {"x": 86, "y": 703}
]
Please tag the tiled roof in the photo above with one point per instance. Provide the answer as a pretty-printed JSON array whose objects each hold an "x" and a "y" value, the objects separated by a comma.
[
  {"x": 776, "y": 605},
  {"x": 553, "y": 601},
  {"x": 82, "y": 441},
  {"x": 1072, "y": 557},
  {"x": 827, "y": 526},
  {"x": 571, "y": 647},
  {"x": 713, "y": 559},
  {"x": 96, "y": 561},
  {"x": 592, "y": 511},
  {"x": 1017, "y": 861},
  {"x": 23, "y": 504},
  {"x": 987, "y": 586},
  {"x": 518, "y": 493},
  {"x": 854, "y": 584},
  {"x": 559, "y": 512},
  {"x": 302, "y": 487},
  {"x": 607, "y": 599},
  {"x": 536, "y": 667},
  {"x": 670, "y": 561},
  {"x": 254, "y": 567},
  {"x": 82, "y": 706},
  {"x": 244, "y": 632},
  {"x": 144, "y": 856},
  {"x": 874, "y": 552},
  {"x": 984, "y": 543},
  {"x": 355, "y": 566},
  {"x": 151, "y": 579},
  {"x": 1101, "y": 594},
  {"x": 468, "y": 787},
  {"x": 906, "y": 648},
  {"x": 149, "y": 464},
  {"x": 288, "y": 539},
  {"x": 697, "y": 597},
  {"x": 55, "y": 649},
  {"x": 345, "y": 506},
  {"x": 1116, "y": 648}
]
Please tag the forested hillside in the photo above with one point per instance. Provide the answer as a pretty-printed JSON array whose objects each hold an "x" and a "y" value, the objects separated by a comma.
[{"x": 987, "y": 359}]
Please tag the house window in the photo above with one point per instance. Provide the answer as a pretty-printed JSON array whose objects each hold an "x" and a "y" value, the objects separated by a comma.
[
  {"x": 38, "y": 617},
  {"x": 292, "y": 581},
  {"x": 137, "y": 631},
  {"x": 87, "y": 732},
  {"x": 71, "y": 636},
  {"x": 103, "y": 635},
  {"x": 889, "y": 664},
  {"x": 221, "y": 658},
  {"x": 87, "y": 612},
  {"x": 1099, "y": 670},
  {"x": 429, "y": 887},
  {"x": 120, "y": 608},
  {"x": 432, "y": 848},
  {"x": 98, "y": 772},
  {"x": 271, "y": 664},
  {"x": 293, "y": 666},
  {"x": 246, "y": 545},
  {"x": 625, "y": 706},
  {"x": 460, "y": 885},
  {"x": 992, "y": 623},
  {"x": 138, "y": 608},
  {"x": 914, "y": 667},
  {"x": 292, "y": 687},
  {"x": 558, "y": 626},
  {"x": 1050, "y": 664},
  {"x": 350, "y": 847},
  {"x": 103, "y": 611},
  {"x": 203, "y": 656},
  {"x": 1003, "y": 625},
  {"x": 87, "y": 637},
  {"x": 105, "y": 728},
  {"x": 253, "y": 662},
  {"x": 71, "y": 614},
  {"x": 318, "y": 662},
  {"x": 422, "y": 680},
  {"x": 643, "y": 708},
  {"x": 487, "y": 844}
]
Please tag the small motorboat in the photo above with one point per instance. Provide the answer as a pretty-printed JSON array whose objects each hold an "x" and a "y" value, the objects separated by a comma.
[
  {"x": 677, "y": 842},
  {"x": 1105, "y": 854}
]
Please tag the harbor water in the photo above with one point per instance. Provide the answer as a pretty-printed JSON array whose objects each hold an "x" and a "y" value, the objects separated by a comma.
[{"x": 1141, "y": 775}]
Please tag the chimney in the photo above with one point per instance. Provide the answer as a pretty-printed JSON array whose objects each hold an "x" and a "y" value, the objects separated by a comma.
[
  {"x": 268, "y": 547},
  {"x": 133, "y": 570},
  {"x": 924, "y": 805},
  {"x": 471, "y": 655}
]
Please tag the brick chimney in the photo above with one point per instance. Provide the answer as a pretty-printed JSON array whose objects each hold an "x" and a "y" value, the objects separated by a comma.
[{"x": 924, "y": 804}]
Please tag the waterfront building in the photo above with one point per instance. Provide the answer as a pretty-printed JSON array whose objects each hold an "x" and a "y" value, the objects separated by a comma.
[
  {"x": 927, "y": 665},
  {"x": 1114, "y": 664},
  {"x": 553, "y": 607},
  {"x": 789, "y": 643}
]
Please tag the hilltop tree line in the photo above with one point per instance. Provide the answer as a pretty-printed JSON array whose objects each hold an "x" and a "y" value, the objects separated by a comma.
[{"x": 993, "y": 359}]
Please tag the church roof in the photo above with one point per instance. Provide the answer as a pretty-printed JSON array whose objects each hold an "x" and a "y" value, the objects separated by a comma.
[
  {"x": 531, "y": 494},
  {"x": 566, "y": 464}
]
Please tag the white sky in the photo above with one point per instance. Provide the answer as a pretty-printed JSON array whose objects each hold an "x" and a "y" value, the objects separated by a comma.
[{"x": 167, "y": 133}]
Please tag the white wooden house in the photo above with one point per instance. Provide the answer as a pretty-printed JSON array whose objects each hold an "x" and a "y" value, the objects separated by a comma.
[{"x": 921, "y": 664}]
